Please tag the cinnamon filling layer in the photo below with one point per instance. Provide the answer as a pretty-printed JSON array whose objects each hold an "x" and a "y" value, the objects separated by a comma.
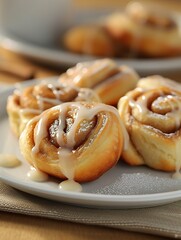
[{"x": 84, "y": 129}]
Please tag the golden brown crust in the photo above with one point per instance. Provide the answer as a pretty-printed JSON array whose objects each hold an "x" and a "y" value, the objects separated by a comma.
[
  {"x": 95, "y": 152},
  {"x": 104, "y": 76},
  {"x": 31, "y": 101},
  {"x": 89, "y": 39},
  {"x": 156, "y": 81},
  {"x": 117, "y": 86},
  {"x": 153, "y": 121},
  {"x": 13, "y": 112}
]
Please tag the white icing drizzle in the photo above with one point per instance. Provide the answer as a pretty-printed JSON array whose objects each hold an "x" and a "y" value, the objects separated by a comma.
[
  {"x": 111, "y": 79},
  {"x": 89, "y": 69},
  {"x": 58, "y": 89},
  {"x": 87, "y": 93},
  {"x": 81, "y": 113},
  {"x": 67, "y": 162},
  {"x": 67, "y": 159},
  {"x": 70, "y": 185},
  {"x": 57, "y": 92},
  {"x": 41, "y": 132},
  {"x": 29, "y": 110},
  {"x": 174, "y": 113},
  {"x": 9, "y": 161},
  {"x": 141, "y": 104},
  {"x": 36, "y": 175},
  {"x": 42, "y": 100}
]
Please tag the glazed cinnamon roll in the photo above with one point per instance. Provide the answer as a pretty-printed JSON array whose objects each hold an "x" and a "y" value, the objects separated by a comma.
[
  {"x": 89, "y": 39},
  {"x": 153, "y": 122},
  {"x": 145, "y": 32},
  {"x": 75, "y": 141},
  {"x": 29, "y": 102},
  {"x": 104, "y": 76}
]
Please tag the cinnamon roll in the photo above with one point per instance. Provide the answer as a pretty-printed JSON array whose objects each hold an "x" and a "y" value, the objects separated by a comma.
[
  {"x": 29, "y": 102},
  {"x": 156, "y": 81},
  {"x": 104, "y": 76},
  {"x": 75, "y": 141},
  {"x": 89, "y": 39},
  {"x": 153, "y": 121},
  {"x": 145, "y": 32}
]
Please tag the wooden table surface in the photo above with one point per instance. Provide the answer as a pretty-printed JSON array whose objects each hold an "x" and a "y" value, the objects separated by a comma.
[{"x": 14, "y": 226}]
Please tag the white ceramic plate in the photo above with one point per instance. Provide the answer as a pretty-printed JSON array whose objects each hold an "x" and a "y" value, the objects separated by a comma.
[
  {"x": 121, "y": 187},
  {"x": 60, "y": 57}
]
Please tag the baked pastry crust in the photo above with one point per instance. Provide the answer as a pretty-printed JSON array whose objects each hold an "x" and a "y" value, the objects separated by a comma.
[
  {"x": 156, "y": 81},
  {"x": 145, "y": 32},
  {"x": 79, "y": 133},
  {"x": 153, "y": 121},
  {"x": 29, "y": 102},
  {"x": 104, "y": 76},
  {"x": 89, "y": 39}
]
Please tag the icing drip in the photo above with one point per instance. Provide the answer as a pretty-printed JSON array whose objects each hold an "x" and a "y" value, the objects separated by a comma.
[
  {"x": 61, "y": 93},
  {"x": 141, "y": 105},
  {"x": 41, "y": 132},
  {"x": 36, "y": 175},
  {"x": 86, "y": 93},
  {"x": 9, "y": 161},
  {"x": 66, "y": 138},
  {"x": 70, "y": 185},
  {"x": 30, "y": 110},
  {"x": 175, "y": 104},
  {"x": 56, "y": 91},
  {"x": 42, "y": 100}
]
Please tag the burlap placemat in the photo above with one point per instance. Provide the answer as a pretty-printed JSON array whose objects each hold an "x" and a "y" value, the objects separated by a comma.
[{"x": 163, "y": 220}]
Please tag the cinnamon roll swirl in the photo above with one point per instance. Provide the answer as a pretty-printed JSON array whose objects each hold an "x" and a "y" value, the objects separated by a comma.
[
  {"x": 145, "y": 32},
  {"x": 104, "y": 76},
  {"x": 153, "y": 121},
  {"x": 75, "y": 141},
  {"x": 29, "y": 102}
]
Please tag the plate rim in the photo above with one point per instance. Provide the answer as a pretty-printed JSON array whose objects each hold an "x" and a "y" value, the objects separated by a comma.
[
  {"x": 67, "y": 59},
  {"x": 94, "y": 200},
  {"x": 130, "y": 198}
]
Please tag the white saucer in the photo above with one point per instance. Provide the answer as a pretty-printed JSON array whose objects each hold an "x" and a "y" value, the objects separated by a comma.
[{"x": 121, "y": 187}]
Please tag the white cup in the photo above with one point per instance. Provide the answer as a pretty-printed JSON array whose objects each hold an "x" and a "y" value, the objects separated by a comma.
[{"x": 37, "y": 21}]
